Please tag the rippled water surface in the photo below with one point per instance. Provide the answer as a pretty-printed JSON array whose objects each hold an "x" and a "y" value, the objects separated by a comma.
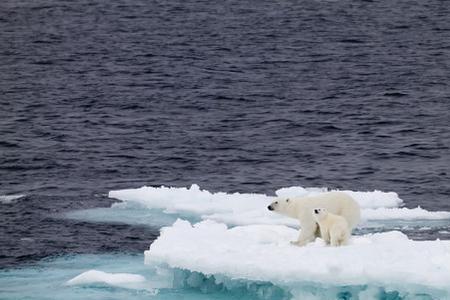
[{"x": 235, "y": 95}]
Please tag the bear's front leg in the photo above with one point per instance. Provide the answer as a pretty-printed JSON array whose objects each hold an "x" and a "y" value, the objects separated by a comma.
[{"x": 307, "y": 234}]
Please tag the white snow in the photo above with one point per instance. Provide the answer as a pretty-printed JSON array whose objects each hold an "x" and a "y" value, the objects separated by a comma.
[
  {"x": 191, "y": 200},
  {"x": 246, "y": 209},
  {"x": 263, "y": 253}
]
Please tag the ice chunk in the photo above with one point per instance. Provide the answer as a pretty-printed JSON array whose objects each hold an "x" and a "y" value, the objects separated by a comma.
[
  {"x": 116, "y": 279},
  {"x": 190, "y": 200},
  {"x": 263, "y": 253}
]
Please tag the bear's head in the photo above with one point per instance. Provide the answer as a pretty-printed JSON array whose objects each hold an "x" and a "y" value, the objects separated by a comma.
[
  {"x": 282, "y": 206},
  {"x": 319, "y": 213}
]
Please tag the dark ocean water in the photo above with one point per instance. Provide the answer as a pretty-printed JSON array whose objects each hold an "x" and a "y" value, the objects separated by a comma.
[{"x": 236, "y": 95}]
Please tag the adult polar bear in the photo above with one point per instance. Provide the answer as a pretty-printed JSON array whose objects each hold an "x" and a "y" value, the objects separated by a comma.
[{"x": 301, "y": 208}]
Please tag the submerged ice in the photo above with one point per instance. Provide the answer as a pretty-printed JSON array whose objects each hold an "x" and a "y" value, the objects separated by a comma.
[{"x": 113, "y": 279}]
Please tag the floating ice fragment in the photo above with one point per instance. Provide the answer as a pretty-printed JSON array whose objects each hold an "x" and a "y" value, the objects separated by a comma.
[
  {"x": 263, "y": 253},
  {"x": 94, "y": 276}
]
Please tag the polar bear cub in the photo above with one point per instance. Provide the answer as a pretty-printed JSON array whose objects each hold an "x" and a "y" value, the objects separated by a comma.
[
  {"x": 301, "y": 208},
  {"x": 333, "y": 228}
]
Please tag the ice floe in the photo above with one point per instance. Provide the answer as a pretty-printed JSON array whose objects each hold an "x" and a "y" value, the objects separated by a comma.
[
  {"x": 245, "y": 209},
  {"x": 262, "y": 253}
]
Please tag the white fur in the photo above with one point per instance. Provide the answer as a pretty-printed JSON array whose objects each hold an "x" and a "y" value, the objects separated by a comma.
[
  {"x": 333, "y": 228},
  {"x": 301, "y": 208}
]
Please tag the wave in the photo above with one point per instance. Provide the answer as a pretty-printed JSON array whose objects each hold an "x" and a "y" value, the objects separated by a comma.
[{"x": 7, "y": 199}]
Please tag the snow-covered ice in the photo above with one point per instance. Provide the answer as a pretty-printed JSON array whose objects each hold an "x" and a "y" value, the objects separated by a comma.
[
  {"x": 262, "y": 253},
  {"x": 246, "y": 209}
]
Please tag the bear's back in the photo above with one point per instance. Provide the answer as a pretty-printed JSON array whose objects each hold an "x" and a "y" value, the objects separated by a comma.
[{"x": 338, "y": 203}]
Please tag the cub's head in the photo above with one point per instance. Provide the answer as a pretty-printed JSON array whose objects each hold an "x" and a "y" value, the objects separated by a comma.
[
  {"x": 282, "y": 206},
  {"x": 319, "y": 213}
]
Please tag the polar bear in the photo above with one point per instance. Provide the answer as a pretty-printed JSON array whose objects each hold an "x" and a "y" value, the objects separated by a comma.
[
  {"x": 333, "y": 228},
  {"x": 301, "y": 208}
]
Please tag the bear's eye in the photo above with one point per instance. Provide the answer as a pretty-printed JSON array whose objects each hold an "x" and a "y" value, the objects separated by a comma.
[
  {"x": 287, "y": 200},
  {"x": 276, "y": 202}
]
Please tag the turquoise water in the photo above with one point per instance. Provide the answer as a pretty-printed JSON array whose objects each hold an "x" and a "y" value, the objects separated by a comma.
[{"x": 48, "y": 280}]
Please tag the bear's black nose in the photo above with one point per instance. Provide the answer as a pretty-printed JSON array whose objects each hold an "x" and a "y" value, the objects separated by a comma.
[
  {"x": 316, "y": 211},
  {"x": 270, "y": 207}
]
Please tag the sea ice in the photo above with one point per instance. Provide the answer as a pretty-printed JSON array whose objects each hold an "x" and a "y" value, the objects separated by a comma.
[
  {"x": 245, "y": 209},
  {"x": 262, "y": 253},
  {"x": 115, "y": 279}
]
